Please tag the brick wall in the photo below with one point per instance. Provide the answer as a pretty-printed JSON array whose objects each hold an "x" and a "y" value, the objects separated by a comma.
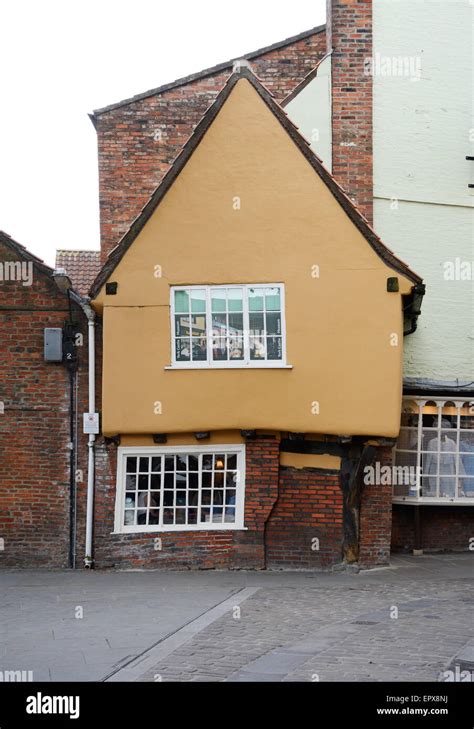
[
  {"x": 34, "y": 428},
  {"x": 137, "y": 142},
  {"x": 305, "y": 527},
  {"x": 190, "y": 550},
  {"x": 443, "y": 528},
  {"x": 350, "y": 37},
  {"x": 375, "y": 519}
]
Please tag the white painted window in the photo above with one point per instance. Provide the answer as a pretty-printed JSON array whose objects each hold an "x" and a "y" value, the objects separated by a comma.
[
  {"x": 434, "y": 455},
  {"x": 228, "y": 326},
  {"x": 180, "y": 488}
]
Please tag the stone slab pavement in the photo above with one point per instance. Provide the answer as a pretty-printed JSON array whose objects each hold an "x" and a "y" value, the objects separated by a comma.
[{"x": 410, "y": 622}]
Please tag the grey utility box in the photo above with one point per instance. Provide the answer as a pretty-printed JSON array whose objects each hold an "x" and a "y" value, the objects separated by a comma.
[{"x": 53, "y": 345}]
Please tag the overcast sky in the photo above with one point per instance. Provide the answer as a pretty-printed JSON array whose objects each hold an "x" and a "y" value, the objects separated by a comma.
[{"x": 60, "y": 60}]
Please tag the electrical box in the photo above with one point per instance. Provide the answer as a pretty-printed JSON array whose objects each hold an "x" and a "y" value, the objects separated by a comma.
[{"x": 53, "y": 344}]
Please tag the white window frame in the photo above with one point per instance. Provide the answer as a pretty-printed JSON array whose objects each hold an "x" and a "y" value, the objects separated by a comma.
[
  {"x": 123, "y": 452},
  {"x": 245, "y": 363},
  {"x": 416, "y": 498}
]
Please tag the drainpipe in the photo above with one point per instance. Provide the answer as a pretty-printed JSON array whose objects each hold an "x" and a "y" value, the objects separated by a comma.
[{"x": 90, "y": 314}]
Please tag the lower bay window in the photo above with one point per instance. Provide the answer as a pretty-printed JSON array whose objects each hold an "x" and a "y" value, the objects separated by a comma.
[
  {"x": 180, "y": 488},
  {"x": 434, "y": 455}
]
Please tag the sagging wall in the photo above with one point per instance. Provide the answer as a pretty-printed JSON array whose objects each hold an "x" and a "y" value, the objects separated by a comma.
[
  {"x": 343, "y": 328},
  {"x": 190, "y": 550},
  {"x": 294, "y": 516}
]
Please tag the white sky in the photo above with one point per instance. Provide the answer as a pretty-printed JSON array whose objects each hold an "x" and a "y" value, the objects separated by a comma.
[{"x": 60, "y": 60}]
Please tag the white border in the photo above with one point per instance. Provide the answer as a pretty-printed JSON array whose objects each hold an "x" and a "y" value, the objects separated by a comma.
[
  {"x": 122, "y": 452},
  {"x": 236, "y": 364}
]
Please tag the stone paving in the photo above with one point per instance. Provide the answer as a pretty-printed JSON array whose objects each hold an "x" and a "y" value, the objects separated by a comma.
[
  {"x": 410, "y": 622},
  {"x": 390, "y": 625}
]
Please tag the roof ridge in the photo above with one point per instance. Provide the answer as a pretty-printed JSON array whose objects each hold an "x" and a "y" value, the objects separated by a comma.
[
  {"x": 78, "y": 250},
  {"x": 303, "y": 145},
  {"x": 208, "y": 71}
]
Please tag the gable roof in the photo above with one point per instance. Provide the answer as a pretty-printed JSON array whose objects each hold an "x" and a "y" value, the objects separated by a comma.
[
  {"x": 24, "y": 253},
  {"x": 81, "y": 266},
  {"x": 210, "y": 71},
  {"x": 303, "y": 145}
]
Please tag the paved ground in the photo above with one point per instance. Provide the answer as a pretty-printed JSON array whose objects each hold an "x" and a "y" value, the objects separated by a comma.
[{"x": 410, "y": 622}]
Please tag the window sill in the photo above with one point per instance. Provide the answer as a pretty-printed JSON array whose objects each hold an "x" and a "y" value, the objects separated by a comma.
[
  {"x": 266, "y": 366},
  {"x": 181, "y": 528},
  {"x": 429, "y": 501}
]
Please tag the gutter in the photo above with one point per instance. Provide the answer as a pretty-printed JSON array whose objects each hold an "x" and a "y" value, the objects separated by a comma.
[
  {"x": 90, "y": 314},
  {"x": 412, "y": 308}
]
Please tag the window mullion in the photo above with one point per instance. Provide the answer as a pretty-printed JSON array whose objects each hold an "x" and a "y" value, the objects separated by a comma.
[
  {"x": 199, "y": 518},
  {"x": 209, "y": 325},
  {"x": 245, "y": 307},
  {"x": 162, "y": 489}
]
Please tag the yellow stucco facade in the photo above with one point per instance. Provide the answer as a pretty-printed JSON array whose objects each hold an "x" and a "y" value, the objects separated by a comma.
[{"x": 249, "y": 208}]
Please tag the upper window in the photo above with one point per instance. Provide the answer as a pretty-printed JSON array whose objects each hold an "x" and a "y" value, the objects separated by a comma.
[
  {"x": 434, "y": 455},
  {"x": 228, "y": 326}
]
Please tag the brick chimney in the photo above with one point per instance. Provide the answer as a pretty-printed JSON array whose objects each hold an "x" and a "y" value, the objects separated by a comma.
[{"x": 349, "y": 36}]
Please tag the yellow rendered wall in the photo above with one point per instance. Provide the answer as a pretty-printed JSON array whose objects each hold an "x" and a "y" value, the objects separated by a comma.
[{"x": 340, "y": 325}]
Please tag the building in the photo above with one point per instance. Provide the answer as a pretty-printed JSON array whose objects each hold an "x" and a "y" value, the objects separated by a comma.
[
  {"x": 247, "y": 346},
  {"x": 278, "y": 444},
  {"x": 406, "y": 157},
  {"x": 42, "y": 397}
]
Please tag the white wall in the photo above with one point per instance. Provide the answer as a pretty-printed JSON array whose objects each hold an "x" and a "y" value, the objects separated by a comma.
[
  {"x": 310, "y": 110},
  {"x": 422, "y": 134}
]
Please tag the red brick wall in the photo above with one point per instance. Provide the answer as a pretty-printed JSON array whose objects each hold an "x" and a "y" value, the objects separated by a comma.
[
  {"x": 308, "y": 514},
  {"x": 138, "y": 142},
  {"x": 375, "y": 520},
  {"x": 190, "y": 550},
  {"x": 443, "y": 528},
  {"x": 34, "y": 429},
  {"x": 350, "y": 36}
]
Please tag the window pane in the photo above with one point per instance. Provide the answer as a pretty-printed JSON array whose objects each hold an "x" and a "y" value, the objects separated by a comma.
[
  {"x": 131, "y": 464},
  {"x": 256, "y": 324},
  {"x": 130, "y": 482},
  {"x": 274, "y": 348},
  {"x": 182, "y": 325},
  {"x": 183, "y": 350},
  {"x": 257, "y": 348},
  {"x": 466, "y": 487},
  {"x": 199, "y": 349},
  {"x": 181, "y": 301},
  {"x": 198, "y": 300},
  {"x": 256, "y": 299},
  {"x": 236, "y": 348},
  {"x": 272, "y": 299},
  {"x": 273, "y": 323},
  {"x": 156, "y": 463},
  {"x": 218, "y": 300},
  {"x": 198, "y": 325},
  {"x": 234, "y": 300},
  {"x": 236, "y": 324}
]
